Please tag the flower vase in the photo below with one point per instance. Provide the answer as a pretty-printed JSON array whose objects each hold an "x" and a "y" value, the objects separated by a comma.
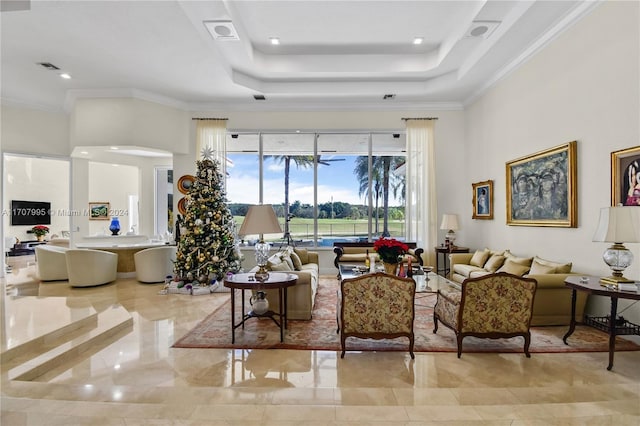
[
  {"x": 114, "y": 227},
  {"x": 390, "y": 268},
  {"x": 40, "y": 238}
]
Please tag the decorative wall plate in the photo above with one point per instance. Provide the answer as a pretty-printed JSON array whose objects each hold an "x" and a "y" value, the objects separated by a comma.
[
  {"x": 185, "y": 183},
  {"x": 182, "y": 206}
]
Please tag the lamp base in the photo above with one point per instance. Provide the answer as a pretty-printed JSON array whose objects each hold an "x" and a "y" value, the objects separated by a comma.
[{"x": 613, "y": 280}]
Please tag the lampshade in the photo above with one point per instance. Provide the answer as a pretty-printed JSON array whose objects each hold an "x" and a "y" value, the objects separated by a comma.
[
  {"x": 450, "y": 222},
  {"x": 260, "y": 219},
  {"x": 618, "y": 225}
]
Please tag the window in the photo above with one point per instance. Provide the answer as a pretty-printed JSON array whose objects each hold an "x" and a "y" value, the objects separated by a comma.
[{"x": 324, "y": 186}]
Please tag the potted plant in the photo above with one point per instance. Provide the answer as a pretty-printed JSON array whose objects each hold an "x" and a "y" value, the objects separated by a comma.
[
  {"x": 40, "y": 231},
  {"x": 390, "y": 250}
]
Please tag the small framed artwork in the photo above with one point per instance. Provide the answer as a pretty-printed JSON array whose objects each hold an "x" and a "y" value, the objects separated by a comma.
[
  {"x": 99, "y": 211},
  {"x": 542, "y": 188},
  {"x": 625, "y": 177},
  {"x": 483, "y": 200}
]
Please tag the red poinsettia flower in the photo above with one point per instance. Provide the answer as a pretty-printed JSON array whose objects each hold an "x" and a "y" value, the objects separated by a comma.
[
  {"x": 40, "y": 230},
  {"x": 389, "y": 249}
]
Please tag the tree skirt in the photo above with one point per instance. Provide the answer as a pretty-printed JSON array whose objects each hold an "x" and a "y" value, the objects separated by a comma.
[{"x": 320, "y": 332}]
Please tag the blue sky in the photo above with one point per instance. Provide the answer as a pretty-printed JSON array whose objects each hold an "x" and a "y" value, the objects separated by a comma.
[{"x": 336, "y": 180}]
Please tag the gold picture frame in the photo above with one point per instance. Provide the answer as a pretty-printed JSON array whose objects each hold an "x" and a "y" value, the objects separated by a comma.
[
  {"x": 482, "y": 200},
  {"x": 625, "y": 177},
  {"x": 99, "y": 210},
  {"x": 542, "y": 188}
]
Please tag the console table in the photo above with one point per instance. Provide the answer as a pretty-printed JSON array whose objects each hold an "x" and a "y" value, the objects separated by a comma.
[
  {"x": 444, "y": 251},
  {"x": 609, "y": 324}
]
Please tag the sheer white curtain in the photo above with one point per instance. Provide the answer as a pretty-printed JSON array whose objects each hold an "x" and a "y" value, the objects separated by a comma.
[
  {"x": 212, "y": 133},
  {"x": 421, "y": 208}
]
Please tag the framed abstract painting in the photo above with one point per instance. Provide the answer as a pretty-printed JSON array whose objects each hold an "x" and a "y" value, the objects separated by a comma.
[{"x": 542, "y": 188}]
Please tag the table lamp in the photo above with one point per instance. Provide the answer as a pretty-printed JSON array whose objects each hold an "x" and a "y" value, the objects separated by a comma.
[
  {"x": 261, "y": 219},
  {"x": 618, "y": 225},
  {"x": 450, "y": 223}
]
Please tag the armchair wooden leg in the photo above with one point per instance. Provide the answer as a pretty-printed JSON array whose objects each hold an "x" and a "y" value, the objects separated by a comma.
[
  {"x": 435, "y": 323},
  {"x": 527, "y": 342},
  {"x": 411, "y": 341},
  {"x": 343, "y": 345},
  {"x": 459, "y": 340}
]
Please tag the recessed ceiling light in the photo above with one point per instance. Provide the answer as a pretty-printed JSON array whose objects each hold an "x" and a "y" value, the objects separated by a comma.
[
  {"x": 418, "y": 40},
  {"x": 65, "y": 76},
  {"x": 114, "y": 148},
  {"x": 84, "y": 152},
  {"x": 274, "y": 40}
]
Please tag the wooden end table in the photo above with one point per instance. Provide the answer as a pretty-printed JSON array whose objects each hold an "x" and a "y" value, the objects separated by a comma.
[
  {"x": 609, "y": 324},
  {"x": 276, "y": 280},
  {"x": 445, "y": 251}
]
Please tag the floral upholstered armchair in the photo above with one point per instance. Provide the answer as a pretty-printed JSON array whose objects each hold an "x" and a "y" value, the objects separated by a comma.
[
  {"x": 376, "y": 306},
  {"x": 493, "y": 306}
]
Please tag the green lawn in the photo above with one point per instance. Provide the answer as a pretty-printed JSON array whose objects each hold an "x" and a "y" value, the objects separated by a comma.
[{"x": 303, "y": 228}]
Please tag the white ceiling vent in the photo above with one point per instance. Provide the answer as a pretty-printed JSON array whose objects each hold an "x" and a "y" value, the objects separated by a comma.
[
  {"x": 222, "y": 30},
  {"x": 481, "y": 29}
]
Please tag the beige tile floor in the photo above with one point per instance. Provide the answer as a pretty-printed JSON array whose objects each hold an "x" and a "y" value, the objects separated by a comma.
[{"x": 140, "y": 380}]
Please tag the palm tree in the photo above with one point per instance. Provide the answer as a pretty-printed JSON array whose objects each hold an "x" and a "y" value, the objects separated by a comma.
[
  {"x": 362, "y": 173},
  {"x": 301, "y": 162},
  {"x": 382, "y": 180}
]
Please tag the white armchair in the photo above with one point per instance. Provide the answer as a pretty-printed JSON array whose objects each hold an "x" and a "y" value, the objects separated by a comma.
[
  {"x": 154, "y": 264},
  {"x": 51, "y": 263},
  {"x": 88, "y": 268}
]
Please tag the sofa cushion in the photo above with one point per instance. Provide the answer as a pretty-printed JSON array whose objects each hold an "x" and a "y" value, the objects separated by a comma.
[
  {"x": 282, "y": 266},
  {"x": 520, "y": 260},
  {"x": 479, "y": 258},
  {"x": 539, "y": 268},
  {"x": 465, "y": 270},
  {"x": 297, "y": 263},
  {"x": 303, "y": 254},
  {"x": 560, "y": 268},
  {"x": 514, "y": 268},
  {"x": 480, "y": 273},
  {"x": 287, "y": 259},
  {"x": 494, "y": 262}
]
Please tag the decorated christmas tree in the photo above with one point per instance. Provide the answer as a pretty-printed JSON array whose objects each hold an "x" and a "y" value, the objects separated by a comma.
[{"x": 207, "y": 247}]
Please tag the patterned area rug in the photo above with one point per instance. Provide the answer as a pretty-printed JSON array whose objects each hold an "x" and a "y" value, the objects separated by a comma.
[{"x": 320, "y": 333}]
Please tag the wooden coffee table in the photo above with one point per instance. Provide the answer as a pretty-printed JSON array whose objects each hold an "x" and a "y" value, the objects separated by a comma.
[{"x": 276, "y": 280}]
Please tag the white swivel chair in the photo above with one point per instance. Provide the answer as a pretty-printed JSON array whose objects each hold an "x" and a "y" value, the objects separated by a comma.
[
  {"x": 154, "y": 264},
  {"x": 87, "y": 268},
  {"x": 51, "y": 262}
]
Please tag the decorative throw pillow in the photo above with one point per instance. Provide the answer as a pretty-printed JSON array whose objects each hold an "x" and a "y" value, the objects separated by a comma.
[
  {"x": 521, "y": 260},
  {"x": 561, "y": 268},
  {"x": 514, "y": 268},
  {"x": 287, "y": 259},
  {"x": 498, "y": 252},
  {"x": 302, "y": 254},
  {"x": 539, "y": 268},
  {"x": 479, "y": 258},
  {"x": 284, "y": 266},
  {"x": 494, "y": 263},
  {"x": 297, "y": 263}
]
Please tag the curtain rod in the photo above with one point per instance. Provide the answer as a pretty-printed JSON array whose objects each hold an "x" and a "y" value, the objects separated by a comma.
[
  {"x": 420, "y": 118},
  {"x": 197, "y": 118}
]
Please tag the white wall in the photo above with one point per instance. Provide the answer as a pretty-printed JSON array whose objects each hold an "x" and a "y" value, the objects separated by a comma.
[
  {"x": 29, "y": 178},
  {"x": 584, "y": 86}
]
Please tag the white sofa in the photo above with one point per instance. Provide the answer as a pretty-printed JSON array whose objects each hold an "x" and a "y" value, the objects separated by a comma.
[
  {"x": 51, "y": 262},
  {"x": 87, "y": 268},
  {"x": 154, "y": 264}
]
